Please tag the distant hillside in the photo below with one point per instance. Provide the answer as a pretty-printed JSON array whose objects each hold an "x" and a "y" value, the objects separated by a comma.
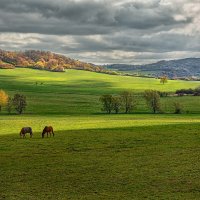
[
  {"x": 174, "y": 68},
  {"x": 44, "y": 61}
]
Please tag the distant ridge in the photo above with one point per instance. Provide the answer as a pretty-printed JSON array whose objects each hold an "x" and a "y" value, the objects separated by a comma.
[
  {"x": 173, "y": 68},
  {"x": 44, "y": 60}
]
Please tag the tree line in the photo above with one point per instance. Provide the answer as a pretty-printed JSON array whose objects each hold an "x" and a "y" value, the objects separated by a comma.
[
  {"x": 127, "y": 102},
  {"x": 190, "y": 91},
  {"x": 17, "y": 102}
]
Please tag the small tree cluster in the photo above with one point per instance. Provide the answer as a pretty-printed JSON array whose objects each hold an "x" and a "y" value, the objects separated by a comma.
[
  {"x": 124, "y": 102},
  {"x": 18, "y": 102}
]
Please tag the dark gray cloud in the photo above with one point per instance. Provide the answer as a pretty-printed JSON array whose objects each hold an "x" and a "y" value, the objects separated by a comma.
[
  {"x": 100, "y": 30},
  {"x": 84, "y": 17}
]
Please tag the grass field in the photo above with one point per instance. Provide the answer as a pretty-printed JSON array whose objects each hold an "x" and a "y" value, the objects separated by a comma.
[{"x": 94, "y": 155}]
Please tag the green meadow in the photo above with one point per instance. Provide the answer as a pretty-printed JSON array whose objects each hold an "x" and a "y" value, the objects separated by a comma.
[{"x": 95, "y": 155}]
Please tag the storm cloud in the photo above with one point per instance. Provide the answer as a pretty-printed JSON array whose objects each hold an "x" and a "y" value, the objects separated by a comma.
[{"x": 100, "y": 31}]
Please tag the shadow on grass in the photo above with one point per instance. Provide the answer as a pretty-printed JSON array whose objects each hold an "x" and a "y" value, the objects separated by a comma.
[{"x": 144, "y": 162}]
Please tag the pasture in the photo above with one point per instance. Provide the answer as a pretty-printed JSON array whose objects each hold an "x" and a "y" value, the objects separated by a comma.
[{"x": 95, "y": 155}]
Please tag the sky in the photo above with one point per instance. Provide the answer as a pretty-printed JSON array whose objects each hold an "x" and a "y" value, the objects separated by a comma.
[{"x": 103, "y": 31}]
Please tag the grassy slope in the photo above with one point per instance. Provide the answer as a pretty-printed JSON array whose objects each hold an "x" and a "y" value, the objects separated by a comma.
[
  {"x": 96, "y": 156},
  {"x": 77, "y": 92}
]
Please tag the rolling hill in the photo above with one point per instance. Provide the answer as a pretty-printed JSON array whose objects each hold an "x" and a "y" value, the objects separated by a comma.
[
  {"x": 182, "y": 68},
  {"x": 78, "y": 91},
  {"x": 44, "y": 60},
  {"x": 95, "y": 155}
]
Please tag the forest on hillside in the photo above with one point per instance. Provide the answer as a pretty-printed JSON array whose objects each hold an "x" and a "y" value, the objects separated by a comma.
[{"x": 44, "y": 60}]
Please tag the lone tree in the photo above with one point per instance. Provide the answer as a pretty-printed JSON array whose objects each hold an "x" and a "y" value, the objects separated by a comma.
[
  {"x": 3, "y": 99},
  {"x": 107, "y": 102},
  {"x": 116, "y": 104},
  {"x": 19, "y": 103},
  {"x": 153, "y": 100},
  {"x": 128, "y": 101},
  {"x": 163, "y": 79}
]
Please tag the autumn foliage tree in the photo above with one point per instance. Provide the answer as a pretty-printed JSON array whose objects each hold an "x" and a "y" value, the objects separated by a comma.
[
  {"x": 52, "y": 64},
  {"x": 40, "y": 64},
  {"x": 3, "y": 99}
]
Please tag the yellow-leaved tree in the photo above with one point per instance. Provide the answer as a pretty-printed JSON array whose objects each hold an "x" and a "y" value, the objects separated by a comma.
[{"x": 3, "y": 99}]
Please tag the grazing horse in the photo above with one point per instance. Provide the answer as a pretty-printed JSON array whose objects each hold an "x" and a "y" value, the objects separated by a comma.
[
  {"x": 48, "y": 130},
  {"x": 25, "y": 130}
]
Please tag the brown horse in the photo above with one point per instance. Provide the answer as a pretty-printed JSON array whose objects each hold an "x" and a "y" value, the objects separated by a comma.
[
  {"x": 48, "y": 130},
  {"x": 25, "y": 130}
]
